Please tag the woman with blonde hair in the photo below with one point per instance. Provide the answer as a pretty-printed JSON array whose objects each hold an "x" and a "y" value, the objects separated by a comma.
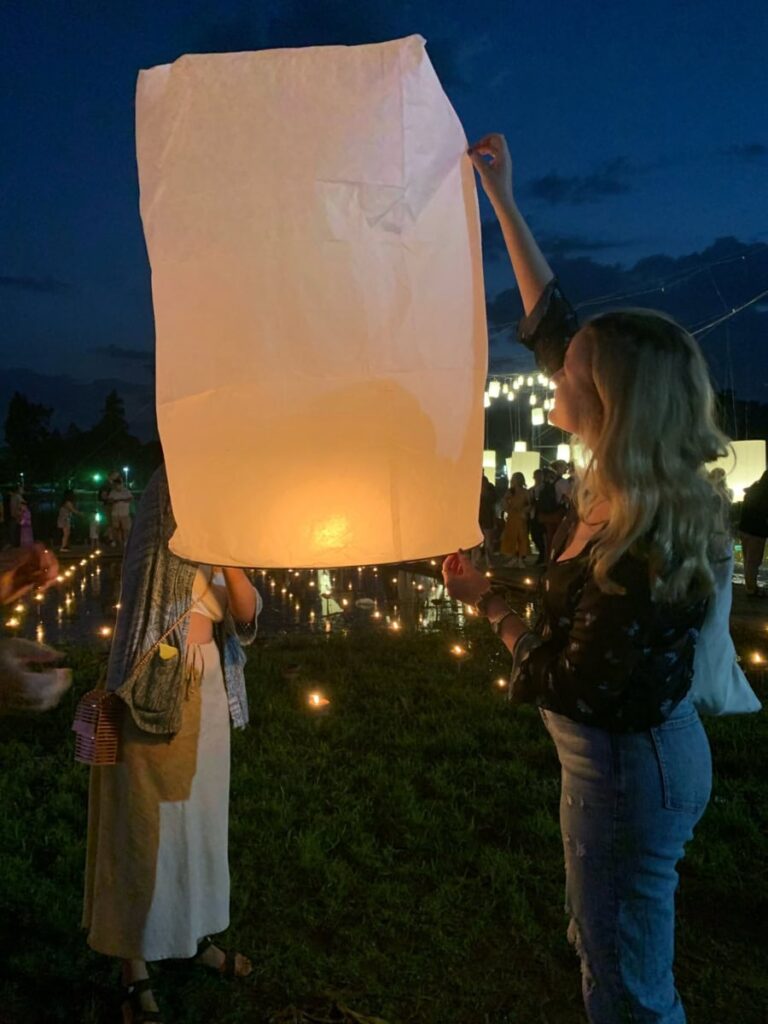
[
  {"x": 517, "y": 505},
  {"x": 625, "y": 592}
]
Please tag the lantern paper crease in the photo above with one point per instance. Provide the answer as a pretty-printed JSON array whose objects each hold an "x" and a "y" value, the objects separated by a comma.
[{"x": 311, "y": 223}]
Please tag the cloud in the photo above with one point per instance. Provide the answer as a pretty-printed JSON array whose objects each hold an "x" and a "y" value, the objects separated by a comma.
[
  {"x": 49, "y": 285},
  {"x": 610, "y": 179},
  {"x": 747, "y": 151},
  {"x": 494, "y": 246}
]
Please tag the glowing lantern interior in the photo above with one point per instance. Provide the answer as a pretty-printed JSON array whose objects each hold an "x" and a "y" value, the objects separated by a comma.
[{"x": 311, "y": 222}]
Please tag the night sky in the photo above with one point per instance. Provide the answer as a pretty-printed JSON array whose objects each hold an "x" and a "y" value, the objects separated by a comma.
[{"x": 639, "y": 130}]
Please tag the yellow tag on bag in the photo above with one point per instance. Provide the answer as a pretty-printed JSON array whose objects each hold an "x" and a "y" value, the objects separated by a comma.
[{"x": 167, "y": 651}]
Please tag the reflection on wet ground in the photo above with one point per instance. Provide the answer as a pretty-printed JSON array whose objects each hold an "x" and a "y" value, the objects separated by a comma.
[{"x": 83, "y": 606}]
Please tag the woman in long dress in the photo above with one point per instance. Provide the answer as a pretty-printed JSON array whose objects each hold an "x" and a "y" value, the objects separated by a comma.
[
  {"x": 157, "y": 873},
  {"x": 517, "y": 506}
]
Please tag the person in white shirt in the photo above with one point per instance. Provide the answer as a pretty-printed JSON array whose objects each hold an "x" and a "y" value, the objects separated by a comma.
[{"x": 120, "y": 499}]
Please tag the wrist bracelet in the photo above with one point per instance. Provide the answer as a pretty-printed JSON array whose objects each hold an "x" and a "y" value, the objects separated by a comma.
[{"x": 481, "y": 604}]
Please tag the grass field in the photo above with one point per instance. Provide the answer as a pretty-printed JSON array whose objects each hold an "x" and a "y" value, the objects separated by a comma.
[{"x": 398, "y": 855}]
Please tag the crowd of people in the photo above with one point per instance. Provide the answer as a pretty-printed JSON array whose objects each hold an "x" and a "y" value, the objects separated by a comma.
[
  {"x": 521, "y": 514},
  {"x": 519, "y": 523},
  {"x": 115, "y": 500},
  {"x": 629, "y": 541}
]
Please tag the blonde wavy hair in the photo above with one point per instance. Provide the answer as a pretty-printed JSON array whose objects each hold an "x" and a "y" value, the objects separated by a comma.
[{"x": 649, "y": 435}]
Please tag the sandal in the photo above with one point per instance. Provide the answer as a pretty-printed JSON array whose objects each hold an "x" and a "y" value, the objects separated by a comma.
[
  {"x": 133, "y": 1011},
  {"x": 234, "y": 965}
]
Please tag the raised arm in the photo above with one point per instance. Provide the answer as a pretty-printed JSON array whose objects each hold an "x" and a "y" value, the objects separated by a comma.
[
  {"x": 243, "y": 600},
  {"x": 493, "y": 164}
]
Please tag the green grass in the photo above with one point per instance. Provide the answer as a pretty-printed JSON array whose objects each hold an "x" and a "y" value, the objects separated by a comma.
[{"x": 399, "y": 854}]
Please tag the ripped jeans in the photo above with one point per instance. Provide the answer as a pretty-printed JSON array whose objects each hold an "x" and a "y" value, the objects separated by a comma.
[{"x": 628, "y": 805}]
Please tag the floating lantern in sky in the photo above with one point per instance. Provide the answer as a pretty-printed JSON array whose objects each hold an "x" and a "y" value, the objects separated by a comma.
[{"x": 332, "y": 303}]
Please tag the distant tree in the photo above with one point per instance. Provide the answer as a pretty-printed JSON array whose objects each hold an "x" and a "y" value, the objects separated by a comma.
[
  {"x": 109, "y": 441},
  {"x": 28, "y": 435}
]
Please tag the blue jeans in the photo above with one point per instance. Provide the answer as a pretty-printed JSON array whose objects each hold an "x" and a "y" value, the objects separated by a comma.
[{"x": 629, "y": 803}]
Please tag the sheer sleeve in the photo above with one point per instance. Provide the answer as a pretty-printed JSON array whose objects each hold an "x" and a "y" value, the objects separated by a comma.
[
  {"x": 625, "y": 663},
  {"x": 548, "y": 328}
]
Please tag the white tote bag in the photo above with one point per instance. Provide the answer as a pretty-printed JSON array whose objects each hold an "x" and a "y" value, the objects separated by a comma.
[{"x": 719, "y": 685}]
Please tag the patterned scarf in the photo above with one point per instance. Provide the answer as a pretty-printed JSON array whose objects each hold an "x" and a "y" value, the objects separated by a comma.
[{"x": 147, "y": 664}]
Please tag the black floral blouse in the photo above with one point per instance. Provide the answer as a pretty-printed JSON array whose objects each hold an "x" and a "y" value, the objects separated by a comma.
[{"x": 621, "y": 662}]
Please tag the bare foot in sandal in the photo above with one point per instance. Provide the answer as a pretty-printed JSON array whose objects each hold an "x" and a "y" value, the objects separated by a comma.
[
  {"x": 139, "y": 1005},
  {"x": 231, "y": 965}
]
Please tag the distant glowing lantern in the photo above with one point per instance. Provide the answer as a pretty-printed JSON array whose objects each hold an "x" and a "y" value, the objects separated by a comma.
[
  {"x": 525, "y": 463},
  {"x": 494, "y": 388},
  {"x": 564, "y": 452},
  {"x": 510, "y": 396},
  {"x": 489, "y": 464},
  {"x": 743, "y": 465},
  {"x": 537, "y": 416},
  {"x": 486, "y": 400},
  {"x": 335, "y": 300},
  {"x": 317, "y": 701},
  {"x": 521, "y": 446}
]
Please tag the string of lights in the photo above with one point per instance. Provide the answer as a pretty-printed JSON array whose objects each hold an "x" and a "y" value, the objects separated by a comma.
[
  {"x": 665, "y": 285},
  {"x": 728, "y": 316}
]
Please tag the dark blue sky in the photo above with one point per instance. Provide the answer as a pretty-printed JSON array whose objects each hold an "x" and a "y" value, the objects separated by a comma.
[{"x": 638, "y": 128}]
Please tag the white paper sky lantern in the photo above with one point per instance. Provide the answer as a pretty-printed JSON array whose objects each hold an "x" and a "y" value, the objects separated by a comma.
[
  {"x": 489, "y": 464},
  {"x": 743, "y": 466},
  {"x": 525, "y": 463},
  {"x": 311, "y": 221}
]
